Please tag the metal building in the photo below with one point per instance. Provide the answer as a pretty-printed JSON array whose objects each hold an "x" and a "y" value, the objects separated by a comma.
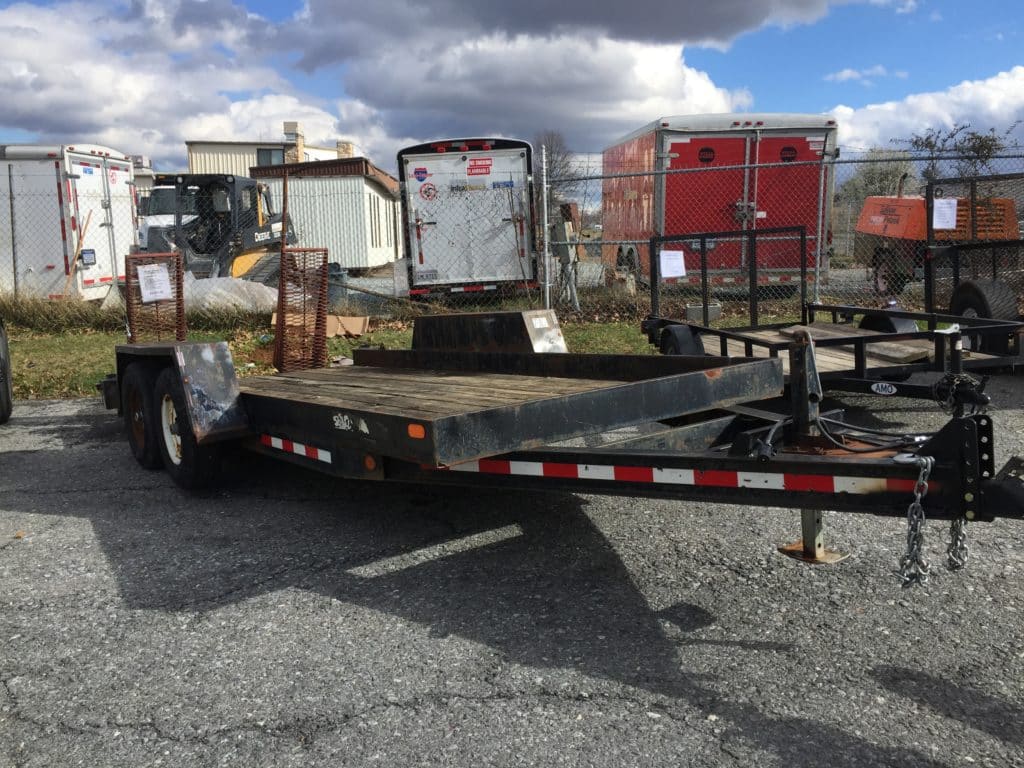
[{"x": 349, "y": 206}]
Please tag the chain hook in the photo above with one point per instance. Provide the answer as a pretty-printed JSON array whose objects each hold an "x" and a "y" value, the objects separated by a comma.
[{"x": 913, "y": 566}]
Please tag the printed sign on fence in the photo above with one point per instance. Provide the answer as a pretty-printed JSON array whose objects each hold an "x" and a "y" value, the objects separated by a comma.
[
  {"x": 672, "y": 264},
  {"x": 944, "y": 213},
  {"x": 154, "y": 283}
]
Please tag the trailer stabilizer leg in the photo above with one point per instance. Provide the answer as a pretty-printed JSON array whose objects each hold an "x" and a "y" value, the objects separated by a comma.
[{"x": 811, "y": 548}]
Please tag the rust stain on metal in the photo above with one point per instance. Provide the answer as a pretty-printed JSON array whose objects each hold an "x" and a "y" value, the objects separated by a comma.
[{"x": 713, "y": 373}]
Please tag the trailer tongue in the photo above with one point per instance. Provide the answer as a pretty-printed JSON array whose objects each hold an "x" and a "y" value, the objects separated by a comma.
[{"x": 696, "y": 428}]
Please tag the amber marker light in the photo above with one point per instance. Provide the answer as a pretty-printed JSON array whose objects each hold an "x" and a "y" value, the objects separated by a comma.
[{"x": 417, "y": 431}]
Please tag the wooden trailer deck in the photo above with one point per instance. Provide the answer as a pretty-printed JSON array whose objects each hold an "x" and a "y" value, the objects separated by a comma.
[
  {"x": 834, "y": 359},
  {"x": 443, "y": 409}
]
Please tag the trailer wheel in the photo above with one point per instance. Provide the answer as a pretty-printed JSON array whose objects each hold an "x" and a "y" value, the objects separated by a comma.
[
  {"x": 190, "y": 465},
  {"x": 6, "y": 385},
  {"x": 885, "y": 324},
  {"x": 890, "y": 276},
  {"x": 140, "y": 425},
  {"x": 680, "y": 340},
  {"x": 985, "y": 298},
  {"x": 629, "y": 262},
  {"x": 880, "y": 323}
]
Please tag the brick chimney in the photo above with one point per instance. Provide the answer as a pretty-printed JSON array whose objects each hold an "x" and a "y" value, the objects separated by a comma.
[
  {"x": 345, "y": 149},
  {"x": 295, "y": 143}
]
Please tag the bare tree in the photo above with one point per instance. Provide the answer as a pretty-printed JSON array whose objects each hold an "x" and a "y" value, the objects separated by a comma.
[
  {"x": 559, "y": 158},
  {"x": 972, "y": 151},
  {"x": 884, "y": 172}
]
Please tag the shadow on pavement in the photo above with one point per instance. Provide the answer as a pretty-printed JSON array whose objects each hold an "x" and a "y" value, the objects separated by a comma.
[{"x": 541, "y": 584}]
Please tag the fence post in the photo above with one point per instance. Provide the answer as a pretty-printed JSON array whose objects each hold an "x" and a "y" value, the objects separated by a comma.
[
  {"x": 544, "y": 217},
  {"x": 822, "y": 223}
]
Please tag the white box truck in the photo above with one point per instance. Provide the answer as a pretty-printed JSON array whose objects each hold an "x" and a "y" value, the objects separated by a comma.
[
  {"x": 67, "y": 219},
  {"x": 467, "y": 215}
]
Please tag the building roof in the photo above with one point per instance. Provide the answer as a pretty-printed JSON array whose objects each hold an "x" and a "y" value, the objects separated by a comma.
[{"x": 343, "y": 166}]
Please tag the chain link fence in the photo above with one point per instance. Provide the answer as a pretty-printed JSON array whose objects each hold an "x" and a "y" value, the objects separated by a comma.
[
  {"x": 867, "y": 221},
  {"x": 66, "y": 225},
  {"x": 483, "y": 230}
]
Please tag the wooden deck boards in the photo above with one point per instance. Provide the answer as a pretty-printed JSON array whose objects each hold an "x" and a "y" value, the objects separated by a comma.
[
  {"x": 427, "y": 395},
  {"x": 833, "y": 359}
]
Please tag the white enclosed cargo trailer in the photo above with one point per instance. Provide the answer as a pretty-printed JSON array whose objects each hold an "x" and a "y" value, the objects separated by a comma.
[
  {"x": 67, "y": 219},
  {"x": 467, "y": 213}
]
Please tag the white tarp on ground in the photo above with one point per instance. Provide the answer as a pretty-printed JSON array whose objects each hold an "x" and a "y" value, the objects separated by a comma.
[{"x": 228, "y": 293}]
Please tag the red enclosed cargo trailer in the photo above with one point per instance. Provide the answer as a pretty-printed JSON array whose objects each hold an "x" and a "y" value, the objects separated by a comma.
[{"x": 715, "y": 173}]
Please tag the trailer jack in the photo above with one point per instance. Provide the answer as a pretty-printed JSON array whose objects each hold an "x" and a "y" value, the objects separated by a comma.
[{"x": 811, "y": 547}]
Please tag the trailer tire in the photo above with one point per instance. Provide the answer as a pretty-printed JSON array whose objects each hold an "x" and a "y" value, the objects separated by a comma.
[
  {"x": 985, "y": 298},
  {"x": 890, "y": 276},
  {"x": 680, "y": 340},
  {"x": 880, "y": 323},
  {"x": 629, "y": 262},
  {"x": 137, "y": 387},
  {"x": 6, "y": 385},
  {"x": 191, "y": 465}
]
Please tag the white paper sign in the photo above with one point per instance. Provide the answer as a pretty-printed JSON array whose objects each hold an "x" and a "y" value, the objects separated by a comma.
[
  {"x": 944, "y": 213},
  {"x": 154, "y": 282},
  {"x": 672, "y": 264}
]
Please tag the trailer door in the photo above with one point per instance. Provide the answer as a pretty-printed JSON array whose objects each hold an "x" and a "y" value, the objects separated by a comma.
[
  {"x": 92, "y": 225},
  {"x": 33, "y": 251},
  {"x": 704, "y": 199},
  {"x": 121, "y": 223},
  {"x": 788, "y": 193},
  {"x": 468, "y": 217}
]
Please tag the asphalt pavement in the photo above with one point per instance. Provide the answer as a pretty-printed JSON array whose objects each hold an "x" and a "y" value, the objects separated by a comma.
[{"x": 288, "y": 619}]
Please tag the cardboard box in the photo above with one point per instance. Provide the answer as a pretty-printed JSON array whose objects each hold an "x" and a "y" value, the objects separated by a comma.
[{"x": 339, "y": 325}]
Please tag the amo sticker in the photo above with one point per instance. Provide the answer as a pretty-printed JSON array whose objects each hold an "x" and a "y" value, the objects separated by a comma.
[{"x": 883, "y": 388}]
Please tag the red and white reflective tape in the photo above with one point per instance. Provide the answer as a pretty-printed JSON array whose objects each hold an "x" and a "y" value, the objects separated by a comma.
[
  {"x": 773, "y": 481},
  {"x": 473, "y": 288},
  {"x": 736, "y": 280},
  {"x": 289, "y": 446}
]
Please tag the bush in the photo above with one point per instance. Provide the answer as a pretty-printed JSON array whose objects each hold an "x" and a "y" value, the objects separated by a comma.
[{"x": 46, "y": 316}]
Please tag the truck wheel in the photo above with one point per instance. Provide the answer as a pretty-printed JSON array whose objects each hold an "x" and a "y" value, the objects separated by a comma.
[
  {"x": 680, "y": 340},
  {"x": 985, "y": 298},
  {"x": 6, "y": 385},
  {"x": 190, "y": 465},
  {"x": 140, "y": 415},
  {"x": 890, "y": 276}
]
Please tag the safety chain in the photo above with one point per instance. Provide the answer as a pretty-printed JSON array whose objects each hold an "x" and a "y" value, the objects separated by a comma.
[
  {"x": 946, "y": 389},
  {"x": 957, "y": 551},
  {"x": 913, "y": 567}
]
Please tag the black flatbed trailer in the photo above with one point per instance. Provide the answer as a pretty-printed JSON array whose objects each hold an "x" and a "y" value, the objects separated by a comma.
[
  {"x": 680, "y": 427},
  {"x": 859, "y": 349}
]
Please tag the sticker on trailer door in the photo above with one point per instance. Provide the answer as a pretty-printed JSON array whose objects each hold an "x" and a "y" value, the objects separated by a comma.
[
  {"x": 428, "y": 192},
  {"x": 86, "y": 170},
  {"x": 479, "y": 166},
  {"x": 421, "y": 174},
  {"x": 503, "y": 184}
]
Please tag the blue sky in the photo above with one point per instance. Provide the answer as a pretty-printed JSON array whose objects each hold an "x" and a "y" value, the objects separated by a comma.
[
  {"x": 929, "y": 49},
  {"x": 154, "y": 73}
]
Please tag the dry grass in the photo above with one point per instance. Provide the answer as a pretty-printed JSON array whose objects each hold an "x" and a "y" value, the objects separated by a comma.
[{"x": 61, "y": 349}]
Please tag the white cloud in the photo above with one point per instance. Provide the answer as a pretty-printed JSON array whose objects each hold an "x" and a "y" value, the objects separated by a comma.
[
  {"x": 158, "y": 72},
  {"x": 865, "y": 76},
  {"x": 996, "y": 102},
  {"x": 900, "y": 6}
]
